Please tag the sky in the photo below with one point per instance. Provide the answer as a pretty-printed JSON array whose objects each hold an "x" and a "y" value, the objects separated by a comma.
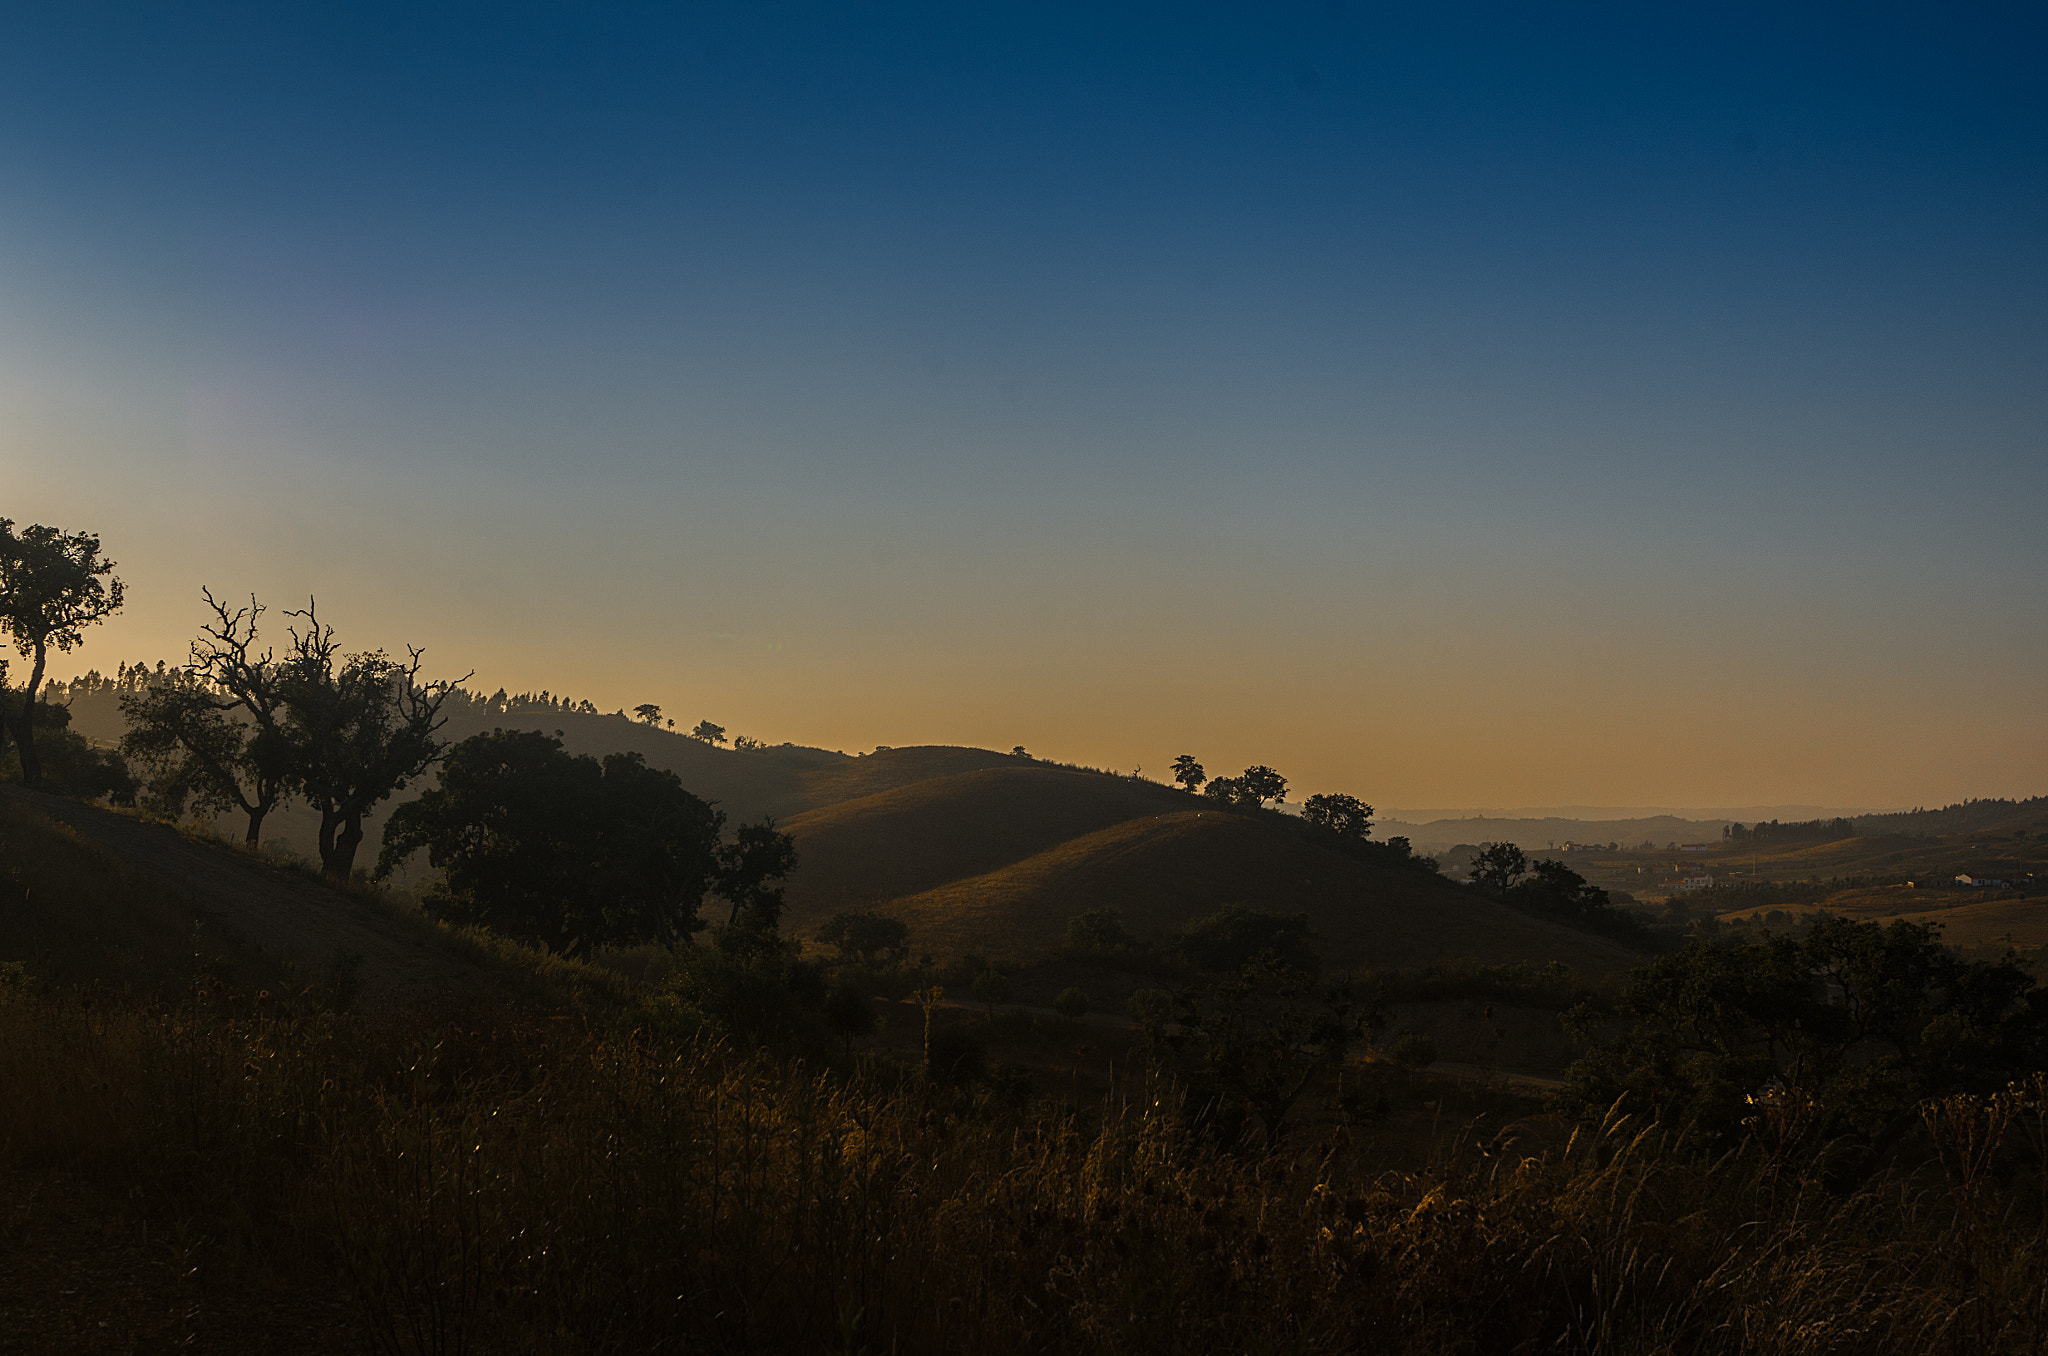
[{"x": 1454, "y": 406}]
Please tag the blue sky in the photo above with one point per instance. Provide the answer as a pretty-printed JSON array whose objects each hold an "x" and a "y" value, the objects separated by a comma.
[{"x": 1456, "y": 406}]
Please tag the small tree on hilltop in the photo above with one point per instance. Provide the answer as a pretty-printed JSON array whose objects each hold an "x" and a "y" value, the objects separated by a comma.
[
  {"x": 51, "y": 589},
  {"x": 1261, "y": 784},
  {"x": 708, "y": 733},
  {"x": 648, "y": 714},
  {"x": 1345, "y": 817},
  {"x": 1250, "y": 789},
  {"x": 1188, "y": 773}
]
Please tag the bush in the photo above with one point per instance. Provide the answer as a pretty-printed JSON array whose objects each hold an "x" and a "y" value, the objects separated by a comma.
[
  {"x": 749, "y": 984},
  {"x": 1235, "y": 936},
  {"x": 1071, "y": 1004},
  {"x": 1098, "y": 932},
  {"x": 72, "y": 764}
]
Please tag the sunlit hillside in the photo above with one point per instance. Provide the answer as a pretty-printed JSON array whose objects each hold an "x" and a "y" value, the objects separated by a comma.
[{"x": 1000, "y": 860}]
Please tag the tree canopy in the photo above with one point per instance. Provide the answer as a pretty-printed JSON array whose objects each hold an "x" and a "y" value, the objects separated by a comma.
[
  {"x": 53, "y": 585},
  {"x": 359, "y": 726},
  {"x": 558, "y": 849},
  {"x": 211, "y": 734},
  {"x": 569, "y": 853},
  {"x": 1237, "y": 935},
  {"x": 1340, "y": 815},
  {"x": 1856, "y": 1022}
]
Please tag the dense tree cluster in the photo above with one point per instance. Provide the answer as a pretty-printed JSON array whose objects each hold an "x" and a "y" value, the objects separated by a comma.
[
  {"x": 243, "y": 727},
  {"x": 569, "y": 853},
  {"x": 1550, "y": 889},
  {"x": 1848, "y": 1028}
]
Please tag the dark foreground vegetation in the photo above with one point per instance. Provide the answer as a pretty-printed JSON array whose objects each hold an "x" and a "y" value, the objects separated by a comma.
[
  {"x": 581, "y": 1166},
  {"x": 488, "y": 1181}
]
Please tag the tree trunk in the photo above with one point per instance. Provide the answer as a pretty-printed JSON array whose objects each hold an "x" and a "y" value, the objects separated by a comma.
[
  {"x": 255, "y": 830},
  {"x": 338, "y": 850},
  {"x": 25, "y": 727},
  {"x": 330, "y": 820}
]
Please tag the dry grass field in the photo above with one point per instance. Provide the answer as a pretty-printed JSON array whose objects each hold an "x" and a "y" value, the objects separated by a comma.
[{"x": 1967, "y": 918}]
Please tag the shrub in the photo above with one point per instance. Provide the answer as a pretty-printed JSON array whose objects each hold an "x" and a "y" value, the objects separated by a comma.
[
  {"x": 1071, "y": 1004},
  {"x": 1235, "y": 936}
]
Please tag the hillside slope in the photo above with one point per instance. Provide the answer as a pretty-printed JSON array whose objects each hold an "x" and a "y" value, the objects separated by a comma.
[
  {"x": 924, "y": 834},
  {"x": 107, "y": 897},
  {"x": 985, "y": 850},
  {"x": 1162, "y": 869}
]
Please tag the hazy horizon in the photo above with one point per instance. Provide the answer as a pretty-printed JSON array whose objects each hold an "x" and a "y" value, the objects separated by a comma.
[{"x": 1460, "y": 408}]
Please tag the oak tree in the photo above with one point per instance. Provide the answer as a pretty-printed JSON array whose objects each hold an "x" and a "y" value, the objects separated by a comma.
[{"x": 52, "y": 586}]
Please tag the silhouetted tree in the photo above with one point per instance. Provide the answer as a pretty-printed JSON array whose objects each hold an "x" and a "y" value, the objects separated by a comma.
[
  {"x": 559, "y": 849},
  {"x": 708, "y": 732},
  {"x": 52, "y": 586},
  {"x": 1250, "y": 789},
  {"x": 748, "y": 869},
  {"x": 1261, "y": 784},
  {"x": 1555, "y": 891},
  {"x": 212, "y": 733},
  {"x": 649, "y": 713},
  {"x": 360, "y": 726},
  {"x": 1498, "y": 866},
  {"x": 1189, "y": 773},
  {"x": 1346, "y": 817}
]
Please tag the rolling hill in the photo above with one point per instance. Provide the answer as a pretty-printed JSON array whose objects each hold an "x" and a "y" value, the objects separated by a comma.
[
  {"x": 999, "y": 859},
  {"x": 990, "y": 851}
]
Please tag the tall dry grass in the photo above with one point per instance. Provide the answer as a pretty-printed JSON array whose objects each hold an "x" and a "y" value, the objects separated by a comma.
[{"x": 492, "y": 1182}]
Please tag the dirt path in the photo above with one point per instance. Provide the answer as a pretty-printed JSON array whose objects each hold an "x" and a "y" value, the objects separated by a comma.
[{"x": 300, "y": 922}]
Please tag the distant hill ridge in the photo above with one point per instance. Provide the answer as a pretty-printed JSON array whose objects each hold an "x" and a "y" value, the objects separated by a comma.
[
  {"x": 992, "y": 851},
  {"x": 995, "y": 852}
]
